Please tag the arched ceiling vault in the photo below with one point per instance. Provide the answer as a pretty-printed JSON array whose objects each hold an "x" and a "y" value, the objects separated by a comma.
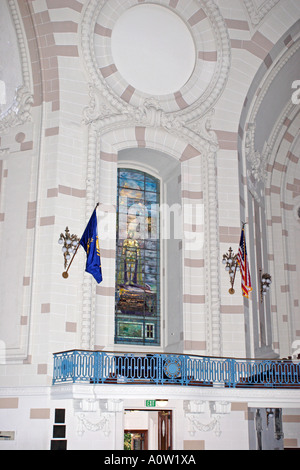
[{"x": 270, "y": 108}]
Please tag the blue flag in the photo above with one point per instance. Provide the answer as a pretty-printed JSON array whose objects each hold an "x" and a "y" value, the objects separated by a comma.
[{"x": 90, "y": 243}]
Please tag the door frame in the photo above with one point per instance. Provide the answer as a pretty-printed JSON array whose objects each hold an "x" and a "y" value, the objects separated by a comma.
[{"x": 164, "y": 415}]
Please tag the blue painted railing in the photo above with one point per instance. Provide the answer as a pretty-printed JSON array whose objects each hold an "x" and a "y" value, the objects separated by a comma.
[{"x": 99, "y": 367}]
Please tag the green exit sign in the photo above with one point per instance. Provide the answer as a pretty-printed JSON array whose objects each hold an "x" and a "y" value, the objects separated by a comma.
[{"x": 150, "y": 403}]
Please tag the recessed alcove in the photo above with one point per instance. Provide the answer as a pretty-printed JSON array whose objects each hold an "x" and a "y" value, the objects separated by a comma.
[{"x": 168, "y": 170}]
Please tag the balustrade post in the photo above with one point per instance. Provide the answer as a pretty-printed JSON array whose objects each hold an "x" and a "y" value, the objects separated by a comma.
[
  {"x": 74, "y": 364},
  {"x": 96, "y": 368},
  {"x": 54, "y": 369},
  {"x": 159, "y": 378},
  {"x": 206, "y": 370},
  {"x": 232, "y": 373},
  {"x": 184, "y": 378},
  {"x": 101, "y": 366}
]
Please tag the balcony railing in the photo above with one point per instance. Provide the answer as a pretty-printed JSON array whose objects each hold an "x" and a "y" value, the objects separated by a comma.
[{"x": 97, "y": 367}]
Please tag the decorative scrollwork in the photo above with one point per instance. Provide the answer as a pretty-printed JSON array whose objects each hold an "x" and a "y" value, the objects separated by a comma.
[
  {"x": 19, "y": 112},
  {"x": 214, "y": 425},
  {"x": 172, "y": 367},
  {"x": 204, "y": 101},
  {"x": 101, "y": 423}
]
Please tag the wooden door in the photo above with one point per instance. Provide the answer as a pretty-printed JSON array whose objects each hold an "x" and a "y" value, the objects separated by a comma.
[{"x": 165, "y": 430}]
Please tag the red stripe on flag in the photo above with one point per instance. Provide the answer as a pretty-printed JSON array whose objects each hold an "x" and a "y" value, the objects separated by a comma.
[{"x": 244, "y": 268}]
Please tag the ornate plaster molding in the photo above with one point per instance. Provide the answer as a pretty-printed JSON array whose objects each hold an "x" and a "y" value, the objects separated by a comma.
[
  {"x": 257, "y": 13},
  {"x": 220, "y": 407},
  {"x": 194, "y": 409},
  {"x": 116, "y": 105},
  {"x": 255, "y": 397},
  {"x": 196, "y": 424},
  {"x": 212, "y": 256},
  {"x": 22, "y": 42},
  {"x": 217, "y": 84},
  {"x": 257, "y": 165},
  {"x": 104, "y": 118},
  {"x": 96, "y": 415},
  {"x": 214, "y": 407},
  {"x": 19, "y": 111},
  {"x": 99, "y": 423}
]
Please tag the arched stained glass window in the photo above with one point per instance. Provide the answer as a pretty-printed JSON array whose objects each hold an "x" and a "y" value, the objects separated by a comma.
[{"x": 137, "y": 305}]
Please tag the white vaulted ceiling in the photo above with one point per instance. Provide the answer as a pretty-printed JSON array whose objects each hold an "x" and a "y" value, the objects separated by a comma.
[
  {"x": 278, "y": 95},
  {"x": 10, "y": 65}
]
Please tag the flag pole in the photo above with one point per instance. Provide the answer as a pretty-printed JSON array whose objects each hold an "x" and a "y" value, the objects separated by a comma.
[
  {"x": 232, "y": 290},
  {"x": 65, "y": 274}
]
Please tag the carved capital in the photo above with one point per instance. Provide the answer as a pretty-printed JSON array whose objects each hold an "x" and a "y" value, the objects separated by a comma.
[
  {"x": 100, "y": 109},
  {"x": 220, "y": 407},
  {"x": 257, "y": 164}
]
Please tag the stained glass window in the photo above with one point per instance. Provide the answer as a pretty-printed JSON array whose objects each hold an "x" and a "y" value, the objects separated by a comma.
[{"x": 137, "y": 305}]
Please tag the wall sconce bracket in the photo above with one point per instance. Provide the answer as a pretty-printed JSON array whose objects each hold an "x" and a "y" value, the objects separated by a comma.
[{"x": 70, "y": 245}]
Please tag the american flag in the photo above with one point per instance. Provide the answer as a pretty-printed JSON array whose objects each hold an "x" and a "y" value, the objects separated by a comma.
[{"x": 244, "y": 268}]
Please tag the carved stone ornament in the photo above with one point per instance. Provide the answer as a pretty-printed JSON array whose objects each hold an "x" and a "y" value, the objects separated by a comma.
[
  {"x": 296, "y": 215},
  {"x": 258, "y": 168},
  {"x": 194, "y": 406},
  {"x": 94, "y": 416},
  {"x": 193, "y": 410},
  {"x": 213, "y": 425},
  {"x": 101, "y": 114},
  {"x": 257, "y": 13},
  {"x": 95, "y": 424},
  {"x": 220, "y": 407},
  {"x": 257, "y": 164},
  {"x": 19, "y": 112}
]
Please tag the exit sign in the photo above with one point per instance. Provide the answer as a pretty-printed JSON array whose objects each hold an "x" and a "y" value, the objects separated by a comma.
[{"x": 150, "y": 403}]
